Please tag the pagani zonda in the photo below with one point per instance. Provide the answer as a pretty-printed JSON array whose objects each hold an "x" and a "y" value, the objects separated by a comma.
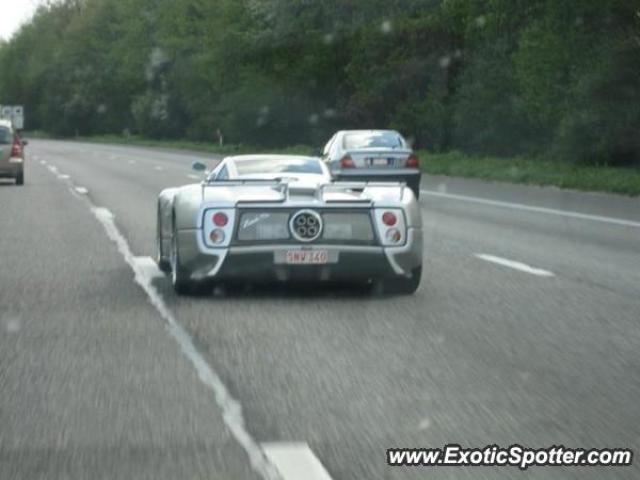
[{"x": 282, "y": 217}]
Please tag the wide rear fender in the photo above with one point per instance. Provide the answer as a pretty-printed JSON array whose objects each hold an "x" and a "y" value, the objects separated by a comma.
[
  {"x": 186, "y": 205},
  {"x": 412, "y": 208}
]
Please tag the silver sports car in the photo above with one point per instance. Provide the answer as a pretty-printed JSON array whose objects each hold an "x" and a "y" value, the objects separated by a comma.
[{"x": 281, "y": 217}]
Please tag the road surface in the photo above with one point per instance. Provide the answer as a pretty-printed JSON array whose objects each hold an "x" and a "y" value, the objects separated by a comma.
[{"x": 526, "y": 329}]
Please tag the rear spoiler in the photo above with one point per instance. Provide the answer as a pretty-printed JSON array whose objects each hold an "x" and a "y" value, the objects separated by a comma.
[
  {"x": 275, "y": 184},
  {"x": 334, "y": 192},
  {"x": 344, "y": 189}
]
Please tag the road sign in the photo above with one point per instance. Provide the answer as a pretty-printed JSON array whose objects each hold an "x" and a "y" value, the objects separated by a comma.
[{"x": 14, "y": 113}]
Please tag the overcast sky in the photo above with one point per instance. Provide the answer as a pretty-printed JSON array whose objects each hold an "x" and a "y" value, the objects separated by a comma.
[{"x": 14, "y": 13}]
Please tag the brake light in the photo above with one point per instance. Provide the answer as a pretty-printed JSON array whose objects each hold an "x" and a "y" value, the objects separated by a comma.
[
  {"x": 389, "y": 219},
  {"x": 220, "y": 219},
  {"x": 413, "y": 161},
  {"x": 217, "y": 226},
  {"x": 347, "y": 162},
  {"x": 16, "y": 148},
  {"x": 391, "y": 226}
]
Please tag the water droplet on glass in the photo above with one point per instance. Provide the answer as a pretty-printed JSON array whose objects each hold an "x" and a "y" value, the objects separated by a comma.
[
  {"x": 424, "y": 424},
  {"x": 329, "y": 113},
  {"x": 12, "y": 325},
  {"x": 445, "y": 61}
]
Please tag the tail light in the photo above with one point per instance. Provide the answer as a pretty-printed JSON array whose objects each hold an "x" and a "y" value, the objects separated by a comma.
[
  {"x": 389, "y": 219},
  {"x": 391, "y": 226},
  {"x": 220, "y": 219},
  {"x": 217, "y": 236},
  {"x": 413, "y": 161},
  {"x": 218, "y": 225},
  {"x": 16, "y": 148},
  {"x": 347, "y": 162},
  {"x": 393, "y": 236}
]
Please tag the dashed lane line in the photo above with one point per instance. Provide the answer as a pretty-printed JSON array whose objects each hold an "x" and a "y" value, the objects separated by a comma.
[{"x": 522, "y": 267}]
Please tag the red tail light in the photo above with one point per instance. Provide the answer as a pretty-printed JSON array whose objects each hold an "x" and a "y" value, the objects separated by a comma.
[
  {"x": 220, "y": 219},
  {"x": 389, "y": 219},
  {"x": 347, "y": 162},
  {"x": 413, "y": 161},
  {"x": 16, "y": 149}
]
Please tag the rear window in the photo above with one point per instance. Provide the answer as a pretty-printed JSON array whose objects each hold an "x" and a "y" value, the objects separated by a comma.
[
  {"x": 353, "y": 141},
  {"x": 277, "y": 165},
  {"x": 6, "y": 137}
]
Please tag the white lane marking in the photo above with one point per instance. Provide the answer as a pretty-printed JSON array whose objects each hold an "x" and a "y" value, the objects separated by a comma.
[
  {"x": 42, "y": 162},
  {"x": 529, "y": 208},
  {"x": 193, "y": 177},
  {"x": 159, "y": 168},
  {"x": 523, "y": 267},
  {"x": 148, "y": 266},
  {"x": 132, "y": 162},
  {"x": 53, "y": 169},
  {"x": 81, "y": 190},
  {"x": 295, "y": 461},
  {"x": 63, "y": 177},
  {"x": 231, "y": 409}
]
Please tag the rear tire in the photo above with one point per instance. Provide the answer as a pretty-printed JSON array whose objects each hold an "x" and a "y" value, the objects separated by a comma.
[
  {"x": 403, "y": 285},
  {"x": 20, "y": 178},
  {"x": 179, "y": 275},
  {"x": 163, "y": 264}
]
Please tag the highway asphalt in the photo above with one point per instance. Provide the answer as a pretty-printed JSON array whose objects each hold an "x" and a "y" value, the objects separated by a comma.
[{"x": 526, "y": 329}]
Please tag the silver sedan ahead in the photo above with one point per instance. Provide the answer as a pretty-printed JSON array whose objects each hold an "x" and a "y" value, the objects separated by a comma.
[{"x": 377, "y": 155}]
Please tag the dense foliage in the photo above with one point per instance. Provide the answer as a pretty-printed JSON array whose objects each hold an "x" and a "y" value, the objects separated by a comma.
[{"x": 498, "y": 77}]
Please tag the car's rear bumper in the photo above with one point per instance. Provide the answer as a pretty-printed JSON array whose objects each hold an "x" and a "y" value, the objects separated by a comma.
[
  {"x": 409, "y": 176},
  {"x": 265, "y": 261}
]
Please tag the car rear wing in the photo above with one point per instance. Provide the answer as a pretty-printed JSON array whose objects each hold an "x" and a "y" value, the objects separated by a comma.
[
  {"x": 272, "y": 185},
  {"x": 359, "y": 192},
  {"x": 354, "y": 192}
]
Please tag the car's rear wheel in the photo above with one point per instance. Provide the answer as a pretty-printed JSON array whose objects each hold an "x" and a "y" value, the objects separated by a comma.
[
  {"x": 20, "y": 178},
  {"x": 403, "y": 285},
  {"x": 163, "y": 264},
  {"x": 179, "y": 275}
]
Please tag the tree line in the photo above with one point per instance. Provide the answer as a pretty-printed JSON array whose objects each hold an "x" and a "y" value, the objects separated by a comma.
[{"x": 500, "y": 77}]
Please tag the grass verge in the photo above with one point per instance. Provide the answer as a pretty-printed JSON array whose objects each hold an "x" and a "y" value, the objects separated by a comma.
[
  {"x": 531, "y": 171},
  {"x": 534, "y": 171}
]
